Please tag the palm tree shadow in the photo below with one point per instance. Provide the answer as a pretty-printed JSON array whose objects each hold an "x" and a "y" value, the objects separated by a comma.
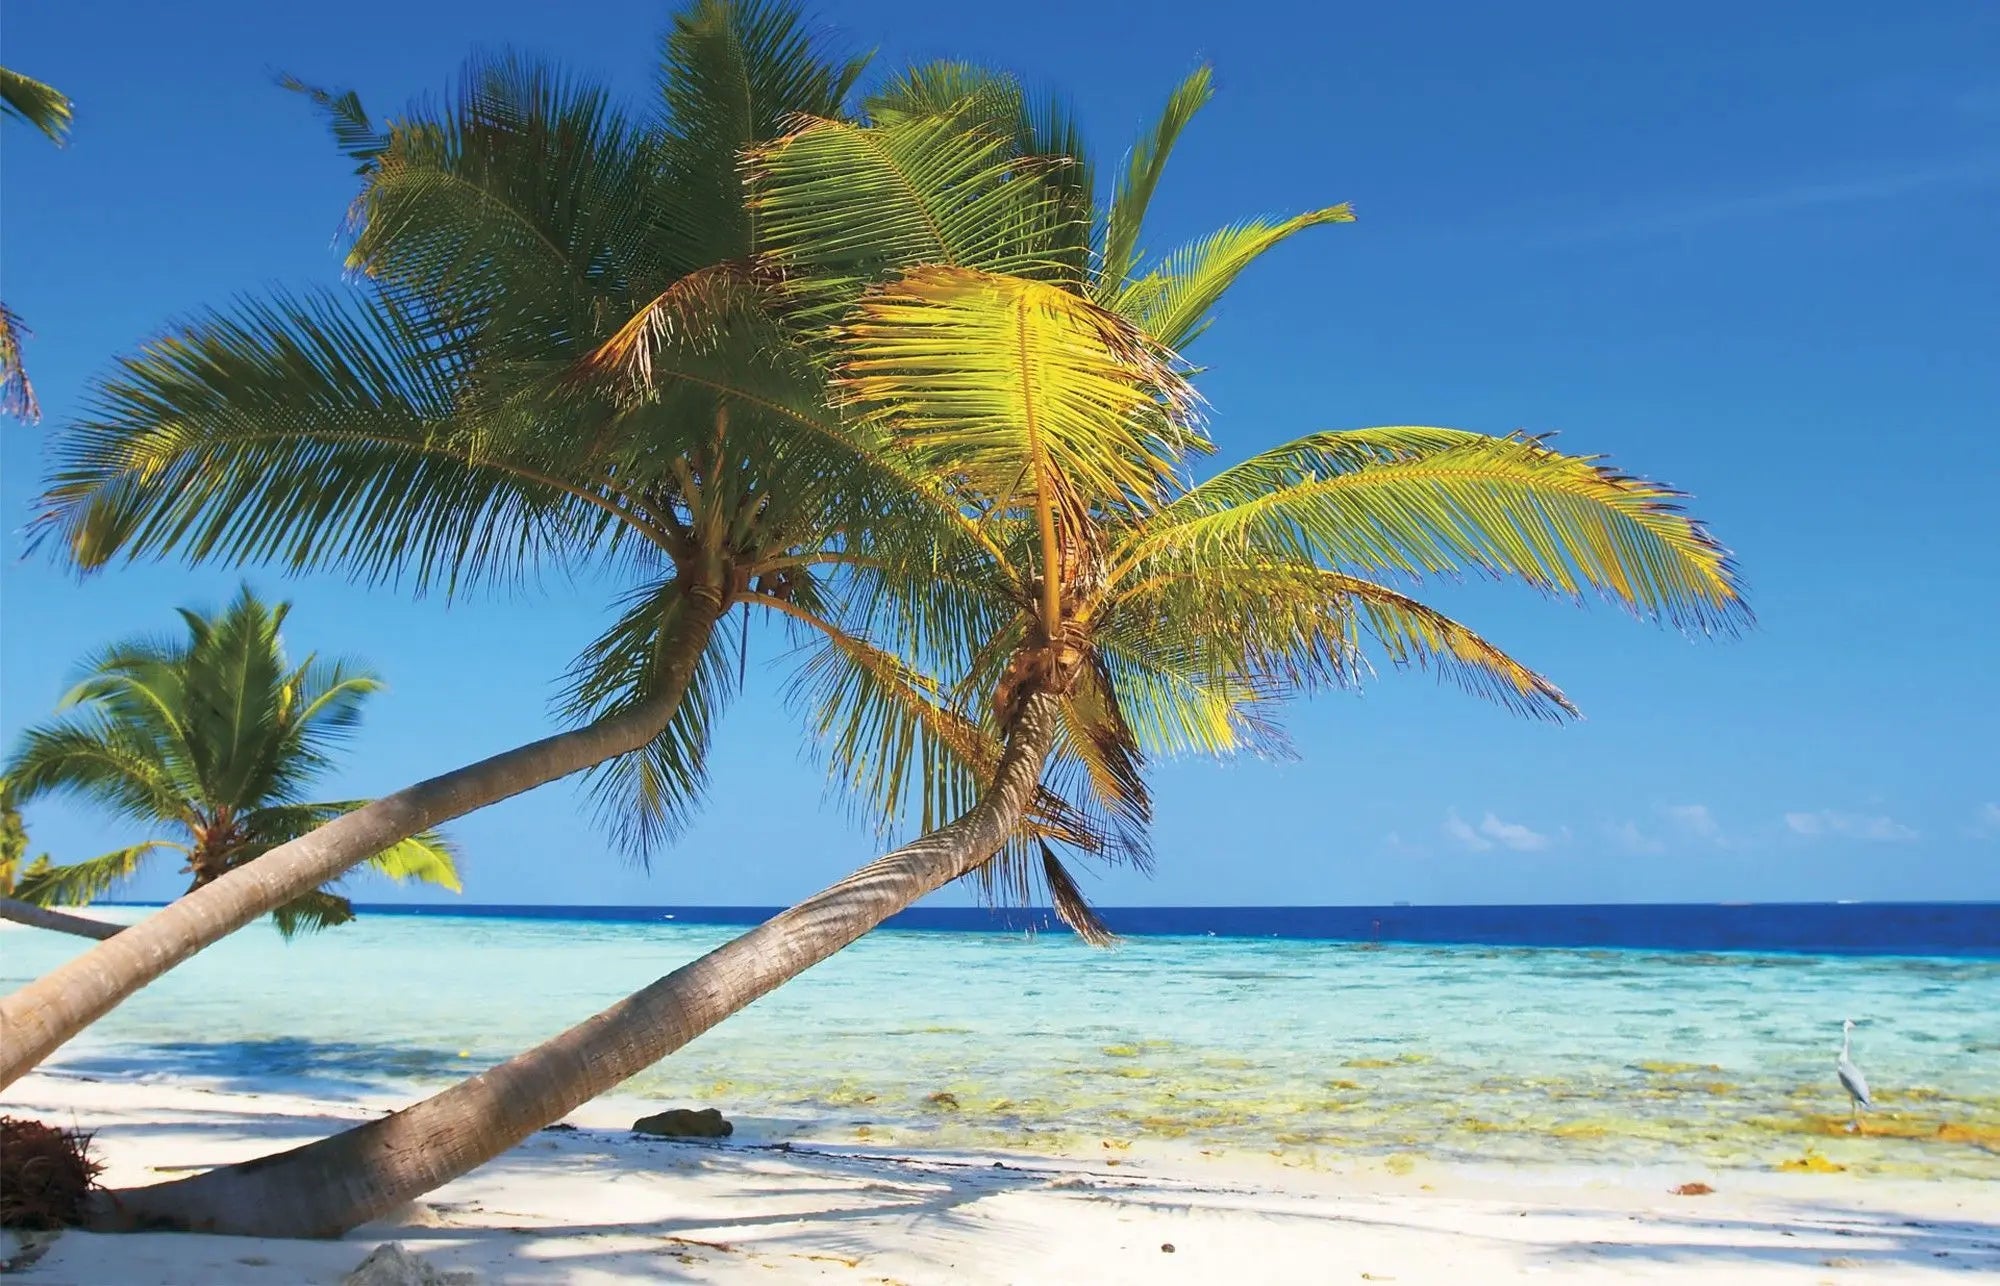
[
  {"x": 290, "y": 1064},
  {"x": 1820, "y": 1235}
]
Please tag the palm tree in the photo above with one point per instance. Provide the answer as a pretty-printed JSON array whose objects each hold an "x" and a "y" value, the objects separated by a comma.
[
  {"x": 48, "y": 110},
  {"x": 566, "y": 351},
  {"x": 209, "y": 744},
  {"x": 15, "y": 868},
  {"x": 1146, "y": 615}
]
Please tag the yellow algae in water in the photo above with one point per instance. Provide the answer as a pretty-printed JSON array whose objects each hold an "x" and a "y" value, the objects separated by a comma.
[
  {"x": 1982, "y": 1136},
  {"x": 1473, "y": 1125},
  {"x": 1811, "y": 1163},
  {"x": 1343, "y": 1085},
  {"x": 1369, "y": 1062},
  {"x": 1579, "y": 1130},
  {"x": 1410, "y": 1060},
  {"x": 1400, "y": 1163},
  {"x": 1719, "y": 1087},
  {"x": 1659, "y": 1068},
  {"x": 1122, "y": 1051}
]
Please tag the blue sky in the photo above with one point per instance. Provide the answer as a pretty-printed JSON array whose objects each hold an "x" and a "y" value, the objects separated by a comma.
[{"x": 1749, "y": 250}]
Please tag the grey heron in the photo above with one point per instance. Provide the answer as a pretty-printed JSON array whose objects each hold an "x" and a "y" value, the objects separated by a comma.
[{"x": 1851, "y": 1078}]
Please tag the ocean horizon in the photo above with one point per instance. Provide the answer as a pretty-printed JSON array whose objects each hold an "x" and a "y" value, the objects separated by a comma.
[{"x": 1950, "y": 929}]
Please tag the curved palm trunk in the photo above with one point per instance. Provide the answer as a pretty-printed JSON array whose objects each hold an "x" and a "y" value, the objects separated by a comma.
[
  {"x": 325, "y": 1188},
  {"x": 36, "y": 1020},
  {"x": 41, "y": 917}
]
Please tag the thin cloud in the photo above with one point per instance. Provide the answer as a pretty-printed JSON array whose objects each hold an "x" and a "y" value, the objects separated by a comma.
[
  {"x": 1696, "y": 820},
  {"x": 1627, "y": 837},
  {"x": 1829, "y": 824},
  {"x": 1457, "y": 829},
  {"x": 1986, "y": 822},
  {"x": 1675, "y": 219}
]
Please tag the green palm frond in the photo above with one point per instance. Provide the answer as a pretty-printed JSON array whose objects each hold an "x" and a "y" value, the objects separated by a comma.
[
  {"x": 1126, "y": 219},
  {"x": 840, "y": 205},
  {"x": 646, "y": 798},
  {"x": 1173, "y": 300},
  {"x": 1021, "y": 388},
  {"x": 425, "y": 858},
  {"x": 43, "y": 106},
  {"x": 1420, "y": 502},
  {"x": 91, "y": 757},
  {"x": 311, "y": 913},
  {"x": 312, "y": 431},
  {"x": 81, "y": 883},
  {"x": 17, "y": 393},
  {"x": 734, "y": 75}
]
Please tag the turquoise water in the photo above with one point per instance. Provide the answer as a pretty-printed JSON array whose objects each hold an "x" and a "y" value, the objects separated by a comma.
[{"x": 1313, "y": 1051}]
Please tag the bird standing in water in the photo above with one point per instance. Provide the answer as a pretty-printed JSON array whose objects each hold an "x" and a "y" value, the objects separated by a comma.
[{"x": 1851, "y": 1078}]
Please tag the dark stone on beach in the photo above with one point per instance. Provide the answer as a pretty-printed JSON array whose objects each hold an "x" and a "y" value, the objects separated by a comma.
[
  {"x": 684, "y": 1123},
  {"x": 945, "y": 1099},
  {"x": 1167, "y": 1247}
]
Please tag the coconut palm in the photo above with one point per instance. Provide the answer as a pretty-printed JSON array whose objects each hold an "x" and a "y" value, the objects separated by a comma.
[
  {"x": 1145, "y": 615},
  {"x": 209, "y": 744},
  {"x": 15, "y": 868},
  {"x": 564, "y": 351},
  {"x": 48, "y": 110}
]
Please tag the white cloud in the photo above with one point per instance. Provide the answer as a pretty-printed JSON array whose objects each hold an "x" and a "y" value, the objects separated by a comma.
[
  {"x": 1626, "y": 837},
  {"x": 1696, "y": 820},
  {"x": 1456, "y": 828},
  {"x": 1512, "y": 834},
  {"x": 1827, "y": 823},
  {"x": 1986, "y": 822}
]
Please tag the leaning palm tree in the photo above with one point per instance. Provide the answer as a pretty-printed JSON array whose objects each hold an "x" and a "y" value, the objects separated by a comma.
[
  {"x": 567, "y": 349},
  {"x": 1143, "y": 614},
  {"x": 48, "y": 110},
  {"x": 210, "y": 745}
]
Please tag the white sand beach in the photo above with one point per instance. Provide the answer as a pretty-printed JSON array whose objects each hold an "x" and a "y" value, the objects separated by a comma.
[{"x": 598, "y": 1205}]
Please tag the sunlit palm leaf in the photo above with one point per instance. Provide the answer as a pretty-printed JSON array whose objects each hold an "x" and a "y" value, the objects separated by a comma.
[
  {"x": 81, "y": 883},
  {"x": 1126, "y": 219},
  {"x": 42, "y": 106},
  {"x": 1173, "y": 300},
  {"x": 1422, "y": 501},
  {"x": 17, "y": 393}
]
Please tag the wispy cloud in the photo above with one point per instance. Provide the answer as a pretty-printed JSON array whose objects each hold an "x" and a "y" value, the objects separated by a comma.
[
  {"x": 1628, "y": 838},
  {"x": 1986, "y": 822},
  {"x": 1493, "y": 831},
  {"x": 1670, "y": 218},
  {"x": 1696, "y": 820},
  {"x": 1829, "y": 824}
]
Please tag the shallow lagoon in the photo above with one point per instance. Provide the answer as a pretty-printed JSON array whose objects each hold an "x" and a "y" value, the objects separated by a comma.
[{"x": 1315, "y": 1051}]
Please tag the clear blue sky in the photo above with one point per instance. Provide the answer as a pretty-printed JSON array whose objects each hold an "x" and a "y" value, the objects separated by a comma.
[{"x": 1749, "y": 249}]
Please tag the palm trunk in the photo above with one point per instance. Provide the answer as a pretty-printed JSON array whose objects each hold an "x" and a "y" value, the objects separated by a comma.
[
  {"x": 36, "y": 1020},
  {"x": 325, "y": 1188},
  {"x": 40, "y": 917}
]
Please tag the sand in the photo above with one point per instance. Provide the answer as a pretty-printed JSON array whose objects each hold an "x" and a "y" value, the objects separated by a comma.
[{"x": 597, "y": 1205}]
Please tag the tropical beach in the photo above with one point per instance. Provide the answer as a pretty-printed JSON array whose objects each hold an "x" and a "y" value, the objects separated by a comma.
[
  {"x": 841, "y": 646},
  {"x": 1535, "y": 1117}
]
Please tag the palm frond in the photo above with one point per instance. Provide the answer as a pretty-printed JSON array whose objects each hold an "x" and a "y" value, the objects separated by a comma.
[
  {"x": 1172, "y": 301},
  {"x": 983, "y": 377},
  {"x": 43, "y": 106},
  {"x": 840, "y": 205},
  {"x": 425, "y": 858},
  {"x": 312, "y": 913},
  {"x": 645, "y": 798},
  {"x": 1126, "y": 219},
  {"x": 17, "y": 393},
  {"x": 1422, "y": 501},
  {"x": 81, "y": 883}
]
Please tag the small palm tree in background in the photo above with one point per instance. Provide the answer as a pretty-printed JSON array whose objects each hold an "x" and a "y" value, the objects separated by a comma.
[
  {"x": 211, "y": 743},
  {"x": 48, "y": 110}
]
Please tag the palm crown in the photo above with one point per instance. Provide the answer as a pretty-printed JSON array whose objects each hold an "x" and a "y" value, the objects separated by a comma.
[{"x": 213, "y": 743}]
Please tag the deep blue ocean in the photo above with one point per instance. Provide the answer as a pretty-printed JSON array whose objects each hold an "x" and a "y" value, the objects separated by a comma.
[{"x": 1970, "y": 929}]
